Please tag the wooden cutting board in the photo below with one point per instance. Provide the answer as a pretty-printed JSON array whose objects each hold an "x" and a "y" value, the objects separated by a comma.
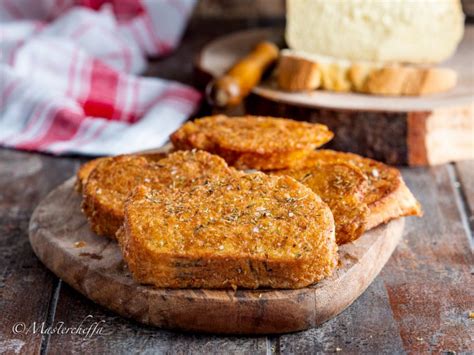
[
  {"x": 93, "y": 265},
  {"x": 423, "y": 130}
]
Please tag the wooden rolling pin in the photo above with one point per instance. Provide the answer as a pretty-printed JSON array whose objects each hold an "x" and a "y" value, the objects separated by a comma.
[{"x": 236, "y": 84}]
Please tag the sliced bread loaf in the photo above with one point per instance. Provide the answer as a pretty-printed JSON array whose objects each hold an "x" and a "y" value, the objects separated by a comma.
[{"x": 298, "y": 71}]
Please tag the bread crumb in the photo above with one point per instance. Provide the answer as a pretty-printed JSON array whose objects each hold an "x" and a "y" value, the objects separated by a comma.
[{"x": 80, "y": 244}]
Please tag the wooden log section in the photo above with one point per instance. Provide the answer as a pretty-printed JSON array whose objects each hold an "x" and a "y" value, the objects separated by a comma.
[{"x": 397, "y": 138}]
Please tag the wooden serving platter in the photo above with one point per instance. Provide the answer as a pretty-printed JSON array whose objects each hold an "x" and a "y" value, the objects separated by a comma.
[
  {"x": 93, "y": 265},
  {"x": 424, "y": 130}
]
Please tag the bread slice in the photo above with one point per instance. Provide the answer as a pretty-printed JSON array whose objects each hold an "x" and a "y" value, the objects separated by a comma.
[
  {"x": 252, "y": 142},
  {"x": 298, "y": 72},
  {"x": 110, "y": 182},
  {"x": 85, "y": 170},
  {"x": 342, "y": 187},
  {"x": 402, "y": 31},
  {"x": 236, "y": 231},
  {"x": 386, "y": 195},
  {"x": 295, "y": 73}
]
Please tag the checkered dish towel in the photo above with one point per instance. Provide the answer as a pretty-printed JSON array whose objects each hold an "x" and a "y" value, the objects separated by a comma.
[{"x": 67, "y": 80}]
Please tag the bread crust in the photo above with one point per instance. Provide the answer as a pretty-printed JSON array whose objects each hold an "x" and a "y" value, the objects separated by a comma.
[
  {"x": 238, "y": 231},
  {"x": 342, "y": 186},
  {"x": 409, "y": 81},
  {"x": 375, "y": 79},
  {"x": 84, "y": 171},
  {"x": 114, "y": 178},
  {"x": 298, "y": 74},
  {"x": 386, "y": 195},
  {"x": 252, "y": 142},
  {"x": 399, "y": 203},
  {"x": 106, "y": 188}
]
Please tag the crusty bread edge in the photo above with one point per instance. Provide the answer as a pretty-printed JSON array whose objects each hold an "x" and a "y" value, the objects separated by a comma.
[
  {"x": 104, "y": 222},
  {"x": 83, "y": 173},
  {"x": 399, "y": 203},
  {"x": 297, "y": 74}
]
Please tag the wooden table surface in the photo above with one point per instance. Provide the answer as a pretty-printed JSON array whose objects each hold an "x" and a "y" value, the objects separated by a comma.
[{"x": 420, "y": 302}]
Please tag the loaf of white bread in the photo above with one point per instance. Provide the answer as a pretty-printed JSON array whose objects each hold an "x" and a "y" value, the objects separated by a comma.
[{"x": 385, "y": 47}]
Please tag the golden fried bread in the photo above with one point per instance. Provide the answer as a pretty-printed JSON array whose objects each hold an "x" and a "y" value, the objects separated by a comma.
[
  {"x": 106, "y": 188},
  {"x": 84, "y": 172},
  {"x": 86, "y": 168},
  {"x": 387, "y": 196},
  {"x": 252, "y": 142},
  {"x": 240, "y": 230},
  {"x": 342, "y": 187},
  {"x": 109, "y": 184}
]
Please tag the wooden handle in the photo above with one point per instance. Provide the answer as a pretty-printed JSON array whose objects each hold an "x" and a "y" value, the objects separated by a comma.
[{"x": 236, "y": 84}]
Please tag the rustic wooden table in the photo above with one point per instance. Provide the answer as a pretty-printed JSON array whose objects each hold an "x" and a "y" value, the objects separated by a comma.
[{"x": 420, "y": 302}]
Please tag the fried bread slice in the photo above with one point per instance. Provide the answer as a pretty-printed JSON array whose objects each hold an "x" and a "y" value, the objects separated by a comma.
[
  {"x": 342, "y": 187},
  {"x": 110, "y": 182},
  {"x": 84, "y": 172},
  {"x": 252, "y": 142},
  {"x": 240, "y": 231},
  {"x": 86, "y": 168},
  {"x": 387, "y": 195}
]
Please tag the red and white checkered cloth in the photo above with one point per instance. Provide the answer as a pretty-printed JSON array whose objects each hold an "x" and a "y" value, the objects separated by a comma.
[{"x": 67, "y": 82}]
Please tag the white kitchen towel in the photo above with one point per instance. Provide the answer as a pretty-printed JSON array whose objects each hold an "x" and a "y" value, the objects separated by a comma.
[{"x": 67, "y": 75}]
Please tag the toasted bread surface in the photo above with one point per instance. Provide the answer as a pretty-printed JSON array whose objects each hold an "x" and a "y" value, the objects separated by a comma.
[
  {"x": 86, "y": 168},
  {"x": 252, "y": 142},
  {"x": 342, "y": 187},
  {"x": 240, "y": 230},
  {"x": 113, "y": 179},
  {"x": 386, "y": 195}
]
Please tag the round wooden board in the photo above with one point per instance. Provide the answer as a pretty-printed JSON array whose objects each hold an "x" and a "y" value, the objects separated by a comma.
[
  {"x": 93, "y": 265},
  {"x": 219, "y": 55}
]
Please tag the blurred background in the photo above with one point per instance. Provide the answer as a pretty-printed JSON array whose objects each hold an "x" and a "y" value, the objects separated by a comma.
[
  {"x": 149, "y": 44},
  {"x": 234, "y": 15},
  {"x": 257, "y": 10}
]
